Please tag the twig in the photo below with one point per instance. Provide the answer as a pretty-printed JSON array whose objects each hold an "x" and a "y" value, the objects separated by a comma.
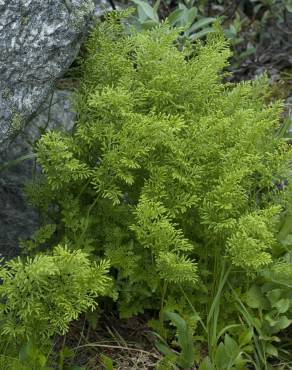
[
  {"x": 117, "y": 347},
  {"x": 16, "y": 161},
  {"x": 112, "y": 4}
]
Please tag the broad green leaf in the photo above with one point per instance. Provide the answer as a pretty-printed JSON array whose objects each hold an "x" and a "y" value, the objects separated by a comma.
[
  {"x": 181, "y": 5},
  {"x": 221, "y": 357},
  {"x": 147, "y": 9},
  {"x": 107, "y": 362},
  {"x": 174, "y": 17},
  {"x": 277, "y": 323},
  {"x": 185, "y": 339},
  {"x": 148, "y": 24},
  {"x": 206, "y": 364},
  {"x": 231, "y": 347},
  {"x": 183, "y": 16},
  {"x": 191, "y": 15},
  {"x": 202, "y": 33},
  {"x": 288, "y": 5},
  {"x": 255, "y": 298},
  {"x": 249, "y": 348},
  {"x": 165, "y": 349},
  {"x": 288, "y": 240},
  {"x": 245, "y": 337},
  {"x": 156, "y": 6},
  {"x": 232, "y": 29},
  {"x": 142, "y": 16},
  {"x": 201, "y": 23},
  {"x": 271, "y": 319},
  {"x": 282, "y": 323},
  {"x": 271, "y": 350},
  {"x": 274, "y": 295},
  {"x": 282, "y": 305}
]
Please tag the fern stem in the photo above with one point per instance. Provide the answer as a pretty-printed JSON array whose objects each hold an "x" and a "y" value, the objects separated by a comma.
[
  {"x": 193, "y": 308},
  {"x": 61, "y": 354},
  {"x": 164, "y": 289}
]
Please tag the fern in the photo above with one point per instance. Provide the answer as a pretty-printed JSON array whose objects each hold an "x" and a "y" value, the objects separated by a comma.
[
  {"x": 40, "y": 296},
  {"x": 167, "y": 166}
]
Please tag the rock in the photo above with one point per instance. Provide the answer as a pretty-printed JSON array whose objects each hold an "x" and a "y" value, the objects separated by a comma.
[
  {"x": 38, "y": 42},
  {"x": 101, "y": 6},
  {"x": 17, "y": 219},
  {"x": 29, "y": 97}
]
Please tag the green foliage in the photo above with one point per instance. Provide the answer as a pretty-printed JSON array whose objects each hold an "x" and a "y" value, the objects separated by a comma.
[
  {"x": 185, "y": 184},
  {"x": 40, "y": 237},
  {"x": 41, "y": 296},
  {"x": 186, "y": 16},
  {"x": 266, "y": 309},
  {"x": 246, "y": 24},
  {"x": 228, "y": 355},
  {"x": 171, "y": 175},
  {"x": 186, "y": 358},
  {"x": 107, "y": 362}
]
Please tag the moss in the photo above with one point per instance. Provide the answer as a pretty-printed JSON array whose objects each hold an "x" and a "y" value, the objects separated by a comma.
[
  {"x": 16, "y": 121},
  {"x": 85, "y": 9},
  {"x": 6, "y": 93}
]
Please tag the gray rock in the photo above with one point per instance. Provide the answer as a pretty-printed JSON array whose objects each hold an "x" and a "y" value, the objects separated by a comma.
[
  {"x": 101, "y": 6},
  {"x": 39, "y": 39},
  {"x": 17, "y": 219},
  {"x": 28, "y": 96}
]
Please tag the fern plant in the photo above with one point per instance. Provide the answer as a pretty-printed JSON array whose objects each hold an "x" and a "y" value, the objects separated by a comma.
[
  {"x": 168, "y": 170},
  {"x": 40, "y": 296}
]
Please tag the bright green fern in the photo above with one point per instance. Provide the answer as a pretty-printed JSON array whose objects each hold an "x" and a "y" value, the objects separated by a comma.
[
  {"x": 168, "y": 169},
  {"x": 41, "y": 296}
]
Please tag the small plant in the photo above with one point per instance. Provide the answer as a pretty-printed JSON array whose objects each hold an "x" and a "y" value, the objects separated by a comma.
[
  {"x": 40, "y": 296},
  {"x": 186, "y": 358}
]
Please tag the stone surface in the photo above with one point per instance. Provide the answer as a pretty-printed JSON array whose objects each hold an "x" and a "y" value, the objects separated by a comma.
[
  {"x": 17, "y": 219},
  {"x": 101, "y": 6},
  {"x": 28, "y": 91},
  {"x": 39, "y": 39}
]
